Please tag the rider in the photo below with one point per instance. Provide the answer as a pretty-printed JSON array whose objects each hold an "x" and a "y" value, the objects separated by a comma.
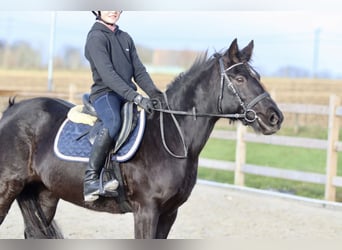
[{"x": 114, "y": 62}]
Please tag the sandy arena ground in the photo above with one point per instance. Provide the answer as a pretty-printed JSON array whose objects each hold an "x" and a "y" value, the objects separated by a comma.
[{"x": 210, "y": 213}]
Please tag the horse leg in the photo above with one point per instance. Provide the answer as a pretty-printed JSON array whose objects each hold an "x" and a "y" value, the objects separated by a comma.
[
  {"x": 145, "y": 223},
  {"x": 8, "y": 192},
  {"x": 165, "y": 223},
  {"x": 48, "y": 204},
  {"x": 38, "y": 207}
]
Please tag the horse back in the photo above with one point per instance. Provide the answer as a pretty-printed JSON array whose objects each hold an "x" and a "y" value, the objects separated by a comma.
[{"x": 34, "y": 111}]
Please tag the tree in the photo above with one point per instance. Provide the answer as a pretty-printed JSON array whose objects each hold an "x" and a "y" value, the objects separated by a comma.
[
  {"x": 72, "y": 58},
  {"x": 19, "y": 55}
]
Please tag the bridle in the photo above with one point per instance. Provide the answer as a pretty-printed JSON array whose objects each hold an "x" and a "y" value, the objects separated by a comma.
[
  {"x": 247, "y": 109},
  {"x": 248, "y": 114}
]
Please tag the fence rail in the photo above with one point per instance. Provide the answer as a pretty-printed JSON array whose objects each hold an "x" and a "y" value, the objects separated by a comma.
[
  {"x": 71, "y": 95},
  {"x": 331, "y": 145}
]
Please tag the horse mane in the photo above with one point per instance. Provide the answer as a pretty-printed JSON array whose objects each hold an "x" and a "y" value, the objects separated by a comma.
[{"x": 201, "y": 64}]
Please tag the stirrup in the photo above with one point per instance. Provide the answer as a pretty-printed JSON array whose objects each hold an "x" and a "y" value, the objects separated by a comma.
[
  {"x": 108, "y": 183},
  {"x": 111, "y": 185}
]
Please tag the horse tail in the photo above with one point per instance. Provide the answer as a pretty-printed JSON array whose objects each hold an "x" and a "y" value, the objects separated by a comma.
[{"x": 36, "y": 223}]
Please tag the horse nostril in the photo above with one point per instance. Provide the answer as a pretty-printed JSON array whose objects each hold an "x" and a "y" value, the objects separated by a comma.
[{"x": 273, "y": 119}]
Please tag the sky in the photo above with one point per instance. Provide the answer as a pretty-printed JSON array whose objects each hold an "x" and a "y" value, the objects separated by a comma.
[{"x": 281, "y": 38}]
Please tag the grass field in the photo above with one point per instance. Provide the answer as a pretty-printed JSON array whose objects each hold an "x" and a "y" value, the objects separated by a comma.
[
  {"x": 305, "y": 91},
  {"x": 301, "y": 159}
]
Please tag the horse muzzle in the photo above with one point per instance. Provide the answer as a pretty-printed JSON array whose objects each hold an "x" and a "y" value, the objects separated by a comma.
[{"x": 269, "y": 123}]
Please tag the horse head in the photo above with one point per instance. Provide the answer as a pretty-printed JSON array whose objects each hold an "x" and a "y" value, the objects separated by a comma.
[{"x": 243, "y": 94}]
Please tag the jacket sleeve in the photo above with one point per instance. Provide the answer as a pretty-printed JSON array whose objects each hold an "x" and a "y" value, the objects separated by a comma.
[
  {"x": 141, "y": 76},
  {"x": 100, "y": 57}
]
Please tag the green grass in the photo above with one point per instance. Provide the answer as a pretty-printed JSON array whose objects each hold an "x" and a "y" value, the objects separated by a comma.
[{"x": 301, "y": 159}]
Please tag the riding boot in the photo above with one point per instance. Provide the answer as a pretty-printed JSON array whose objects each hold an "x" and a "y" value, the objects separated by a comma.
[{"x": 98, "y": 154}]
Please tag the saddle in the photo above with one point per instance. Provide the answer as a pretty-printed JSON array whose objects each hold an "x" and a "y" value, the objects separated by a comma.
[
  {"x": 77, "y": 133},
  {"x": 86, "y": 114}
]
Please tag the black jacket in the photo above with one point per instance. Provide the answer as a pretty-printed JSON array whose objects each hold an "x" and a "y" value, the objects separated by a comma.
[{"x": 114, "y": 62}]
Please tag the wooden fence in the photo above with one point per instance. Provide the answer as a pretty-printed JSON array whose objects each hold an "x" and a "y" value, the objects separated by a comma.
[
  {"x": 331, "y": 145},
  {"x": 240, "y": 167},
  {"x": 72, "y": 95}
]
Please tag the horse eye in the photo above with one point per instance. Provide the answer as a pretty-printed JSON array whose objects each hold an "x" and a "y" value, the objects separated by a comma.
[{"x": 240, "y": 79}]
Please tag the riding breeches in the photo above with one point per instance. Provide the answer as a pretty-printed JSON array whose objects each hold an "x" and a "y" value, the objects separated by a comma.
[{"x": 108, "y": 109}]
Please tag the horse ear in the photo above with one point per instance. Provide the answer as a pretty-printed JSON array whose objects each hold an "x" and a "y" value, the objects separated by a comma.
[
  {"x": 233, "y": 52},
  {"x": 246, "y": 53}
]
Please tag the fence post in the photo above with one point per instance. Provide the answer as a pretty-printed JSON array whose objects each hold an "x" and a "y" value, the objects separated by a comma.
[
  {"x": 72, "y": 93},
  {"x": 240, "y": 155},
  {"x": 331, "y": 162}
]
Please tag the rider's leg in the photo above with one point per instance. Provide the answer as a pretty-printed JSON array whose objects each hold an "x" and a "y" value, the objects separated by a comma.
[
  {"x": 97, "y": 159},
  {"x": 108, "y": 108}
]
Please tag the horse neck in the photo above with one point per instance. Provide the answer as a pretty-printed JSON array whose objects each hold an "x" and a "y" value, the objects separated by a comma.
[{"x": 195, "y": 94}]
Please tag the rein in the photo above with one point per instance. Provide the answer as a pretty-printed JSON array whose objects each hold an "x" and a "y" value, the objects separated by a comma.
[{"x": 247, "y": 109}]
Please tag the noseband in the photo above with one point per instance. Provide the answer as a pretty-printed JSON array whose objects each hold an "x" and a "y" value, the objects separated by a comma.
[{"x": 249, "y": 115}]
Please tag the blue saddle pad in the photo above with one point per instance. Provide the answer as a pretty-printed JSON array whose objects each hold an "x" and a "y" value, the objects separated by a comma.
[{"x": 72, "y": 144}]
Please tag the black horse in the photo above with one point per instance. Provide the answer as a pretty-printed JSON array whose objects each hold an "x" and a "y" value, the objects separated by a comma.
[{"x": 162, "y": 174}]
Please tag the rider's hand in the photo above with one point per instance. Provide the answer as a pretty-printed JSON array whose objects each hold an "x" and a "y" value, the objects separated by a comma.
[
  {"x": 157, "y": 98},
  {"x": 144, "y": 103}
]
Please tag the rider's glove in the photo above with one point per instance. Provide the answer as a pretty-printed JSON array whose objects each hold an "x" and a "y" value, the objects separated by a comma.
[{"x": 144, "y": 103}]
